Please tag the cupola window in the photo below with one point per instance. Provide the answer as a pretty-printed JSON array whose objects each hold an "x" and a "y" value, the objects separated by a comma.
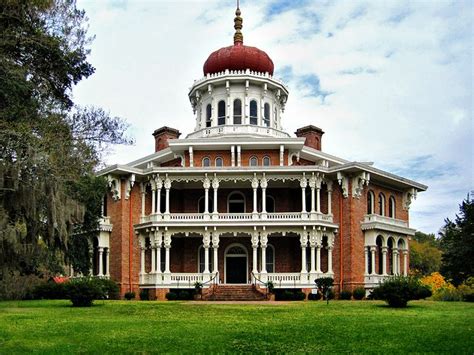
[
  {"x": 206, "y": 162},
  {"x": 237, "y": 111},
  {"x": 219, "y": 161},
  {"x": 253, "y": 161},
  {"x": 266, "y": 161},
  {"x": 221, "y": 113},
  {"x": 266, "y": 115},
  {"x": 253, "y": 112},
  {"x": 208, "y": 115}
]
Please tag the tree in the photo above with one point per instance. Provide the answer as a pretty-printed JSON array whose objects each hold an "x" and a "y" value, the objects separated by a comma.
[
  {"x": 425, "y": 255},
  {"x": 49, "y": 147},
  {"x": 457, "y": 244}
]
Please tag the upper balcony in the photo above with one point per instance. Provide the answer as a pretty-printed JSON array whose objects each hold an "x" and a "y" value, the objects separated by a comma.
[
  {"x": 242, "y": 129},
  {"x": 375, "y": 221}
]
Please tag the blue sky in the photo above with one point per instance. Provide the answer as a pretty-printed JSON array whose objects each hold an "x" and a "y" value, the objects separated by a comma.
[{"x": 388, "y": 81}]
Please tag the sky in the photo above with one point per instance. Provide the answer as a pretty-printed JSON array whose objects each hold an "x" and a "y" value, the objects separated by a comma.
[{"x": 390, "y": 82}]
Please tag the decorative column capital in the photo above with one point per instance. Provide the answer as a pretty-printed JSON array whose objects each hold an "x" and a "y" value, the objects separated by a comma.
[
  {"x": 215, "y": 183},
  {"x": 263, "y": 239},
  {"x": 215, "y": 240},
  {"x": 263, "y": 182},
  {"x": 303, "y": 182},
  {"x": 206, "y": 183},
  {"x": 167, "y": 183},
  {"x": 329, "y": 185},
  {"x": 254, "y": 239},
  {"x": 206, "y": 239},
  {"x": 304, "y": 239},
  {"x": 167, "y": 239},
  {"x": 255, "y": 182},
  {"x": 373, "y": 249}
]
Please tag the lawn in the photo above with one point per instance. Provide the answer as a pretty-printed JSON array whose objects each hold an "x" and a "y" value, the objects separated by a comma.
[{"x": 341, "y": 326}]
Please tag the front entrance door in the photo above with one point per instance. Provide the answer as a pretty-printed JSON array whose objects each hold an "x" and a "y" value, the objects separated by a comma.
[
  {"x": 236, "y": 270},
  {"x": 236, "y": 266}
]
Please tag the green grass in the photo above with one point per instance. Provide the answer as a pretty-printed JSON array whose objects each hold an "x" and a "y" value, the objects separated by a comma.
[{"x": 343, "y": 326}]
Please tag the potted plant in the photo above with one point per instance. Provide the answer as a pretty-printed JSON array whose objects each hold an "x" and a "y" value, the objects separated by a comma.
[{"x": 198, "y": 289}]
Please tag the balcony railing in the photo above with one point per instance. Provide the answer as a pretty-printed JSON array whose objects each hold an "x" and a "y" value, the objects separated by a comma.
[
  {"x": 386, "y": 220},
  {"x": 237, "y": 217}
]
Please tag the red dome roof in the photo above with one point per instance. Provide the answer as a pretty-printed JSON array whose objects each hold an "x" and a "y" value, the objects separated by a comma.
[{"x": 238, "y": 57}]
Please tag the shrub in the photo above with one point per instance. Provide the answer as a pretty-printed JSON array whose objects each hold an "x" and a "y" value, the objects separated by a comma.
[
  {"x": 398, "y": 291},
  {"x": 324, "y": 285},
  {"x": 448, "y": 294},
  {"x": 198, "y": 288},
  {"x": 14, "y": 286},
  {"x": 359, "y": 293},
  {"x": 50, "y": 290},
  {"x": 345, "y": 295},
  {"x": 83, "y": 291},
  {"x": 129, "y": 295},
  {"x": 314, "y": 296},
  {"x": 110, "y": 289},
  {"x": 171, "y": 296},
  {"x": 299, "y": 296},
  {"x": 145, "y": 294},
  {"x": 185, "y": 295},
  {"x": 270, "y": 286}
]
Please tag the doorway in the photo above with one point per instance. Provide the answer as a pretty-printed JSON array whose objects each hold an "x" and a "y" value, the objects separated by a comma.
[{"x": 236, "y": 264}]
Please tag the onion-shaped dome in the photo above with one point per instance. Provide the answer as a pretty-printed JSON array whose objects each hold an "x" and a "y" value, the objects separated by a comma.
[{"x": 238, "y": 56}]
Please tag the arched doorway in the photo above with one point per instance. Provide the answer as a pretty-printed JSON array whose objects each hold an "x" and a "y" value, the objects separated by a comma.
[{"x": 236, "y": 264}]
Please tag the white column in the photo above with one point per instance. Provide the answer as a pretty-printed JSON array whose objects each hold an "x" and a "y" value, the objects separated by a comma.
[
  {"x": 318, "y": 198},
  {"x": 101, "y": 261},
  {"x": 405, "y": 262},
  {"x": 206, "y": 239},
  {"x": 318, "y": 257},
  {"x": 206, "y": 185},
  {"x": 91, "y": 260},
  {"x": 191, "y": 157},
  {"x": 313, "y": 259},
  {"x": 329, "y": 186},
  {"x": 232, "y": 155},
  {"x": 107, "y": 262},
  {"x": 263, "y": 185},
  {"x": 366, "y": 259},
  {"x": 282, "y": 155},
  {"x": 239, "y": 159},
  {"x": 312, "y": 200},
  {"x": 153, "y": 198},
  {"x": 384, "y": 260},
  {"x": 215, "y": 247},
  {"x": 330, "y": 259},
  {"x": 255, "y": 188},
  {"x": 303, "y": 184},
  {"x": 372, "y": 252},
  {"x": 215, "y": 186},
  {"x": 167, "y": 187},
  {"x": 167, "y": 244},
  {"x": 254, "y": 241},
  {"x": 263, "y": 244},
  {"x": 158, "y": 242},
  {"x": 396, "y": 270},
  {"x": 159, "y": 185},
  {"x": 304, "y": 242}
]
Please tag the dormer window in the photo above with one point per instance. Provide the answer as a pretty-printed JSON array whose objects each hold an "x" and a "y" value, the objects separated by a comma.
[
  {"x": 266, "y": 115},
  {"x": 237, "y": 111},
  {"x": 253, "y": 112},
  {"x": 221, "y": 113}
]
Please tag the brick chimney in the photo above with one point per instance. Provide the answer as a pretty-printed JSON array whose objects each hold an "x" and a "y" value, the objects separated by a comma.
[
  {"x": 312, "y": 134},
  {"x": 162, "y": 135}
]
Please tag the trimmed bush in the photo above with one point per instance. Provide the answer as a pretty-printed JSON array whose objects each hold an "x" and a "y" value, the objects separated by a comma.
[
  {"x": 314, "y": 296},
  {"x": 399, "y": 290},
  {"x": 324, "y": 285},
  {"x": 145, "y": 294},
  {"x": 50, "y": 290},
  {"x": 129, "y": 295},
  {"x": 359, "y": 293},
  {"x": 110, "y": 289},
  {"x": 83, "y": 291},
  {"x": 345, "y": 295},
  {"x": 448, "y": 294},
  {"x": 171, "y": 296},
  {"x": 185, "y": 295},
  {"x": 299, "y": 296}
]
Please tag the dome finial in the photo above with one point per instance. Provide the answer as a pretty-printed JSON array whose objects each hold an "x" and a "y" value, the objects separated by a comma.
[{"x": 238, "y": 36}]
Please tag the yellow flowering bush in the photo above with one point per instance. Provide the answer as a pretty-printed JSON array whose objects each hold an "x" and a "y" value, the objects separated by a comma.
[{"x": 436, "y": 282}]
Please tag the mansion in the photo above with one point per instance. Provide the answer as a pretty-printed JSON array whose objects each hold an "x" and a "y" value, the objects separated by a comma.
[{"x": 240, "y": 201}]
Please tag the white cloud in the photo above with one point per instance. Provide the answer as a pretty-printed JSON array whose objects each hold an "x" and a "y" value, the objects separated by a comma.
[{"x": 410, "y": 93}]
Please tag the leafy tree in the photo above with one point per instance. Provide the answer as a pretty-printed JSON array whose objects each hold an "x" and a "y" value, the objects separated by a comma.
[
  {"x": 425, "y": 257},
  {"x": 49, "y": 147},
  {"x": 457, "y": 244}
]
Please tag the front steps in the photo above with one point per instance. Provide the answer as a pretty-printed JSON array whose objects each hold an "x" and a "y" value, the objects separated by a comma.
[{"x": 233, "y": 293}]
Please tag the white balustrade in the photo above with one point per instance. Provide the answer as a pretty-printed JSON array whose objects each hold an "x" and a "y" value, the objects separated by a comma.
[
  {"x": 241, "y": 128},
  {"x": 383, "y": 219}
]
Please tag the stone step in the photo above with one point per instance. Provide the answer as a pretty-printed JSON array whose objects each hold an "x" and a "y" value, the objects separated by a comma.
[{"x": 235, "y": 293}]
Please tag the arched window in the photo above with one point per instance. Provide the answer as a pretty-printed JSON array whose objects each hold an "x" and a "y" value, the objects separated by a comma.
[
  {"x": 253, "y": 112},
  {"x": 202, "y": 205},
  {"x": 266, "y": 114},
  {"x": 270, "y": 258},
  {"x": 221, "y": 113},
  {"x": 370, "y": 202},
  {"x": 379, "y": 243},
  {"x": 236, "y": 203},
  {"x": 206, "y": 161},
  {"x": 253, "y": 161},
  {"x": 202, "y": 260},
  {"x": 381, "y": 204},
  {"x": 266, "y": 161},
  {"x": 208, "y": 115},
  {"x": 391, "y": 207},
  {"x": 390, "y": 244},
  {"x": 237, "y": 111},
  {"x": 219, "y": 161}
]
